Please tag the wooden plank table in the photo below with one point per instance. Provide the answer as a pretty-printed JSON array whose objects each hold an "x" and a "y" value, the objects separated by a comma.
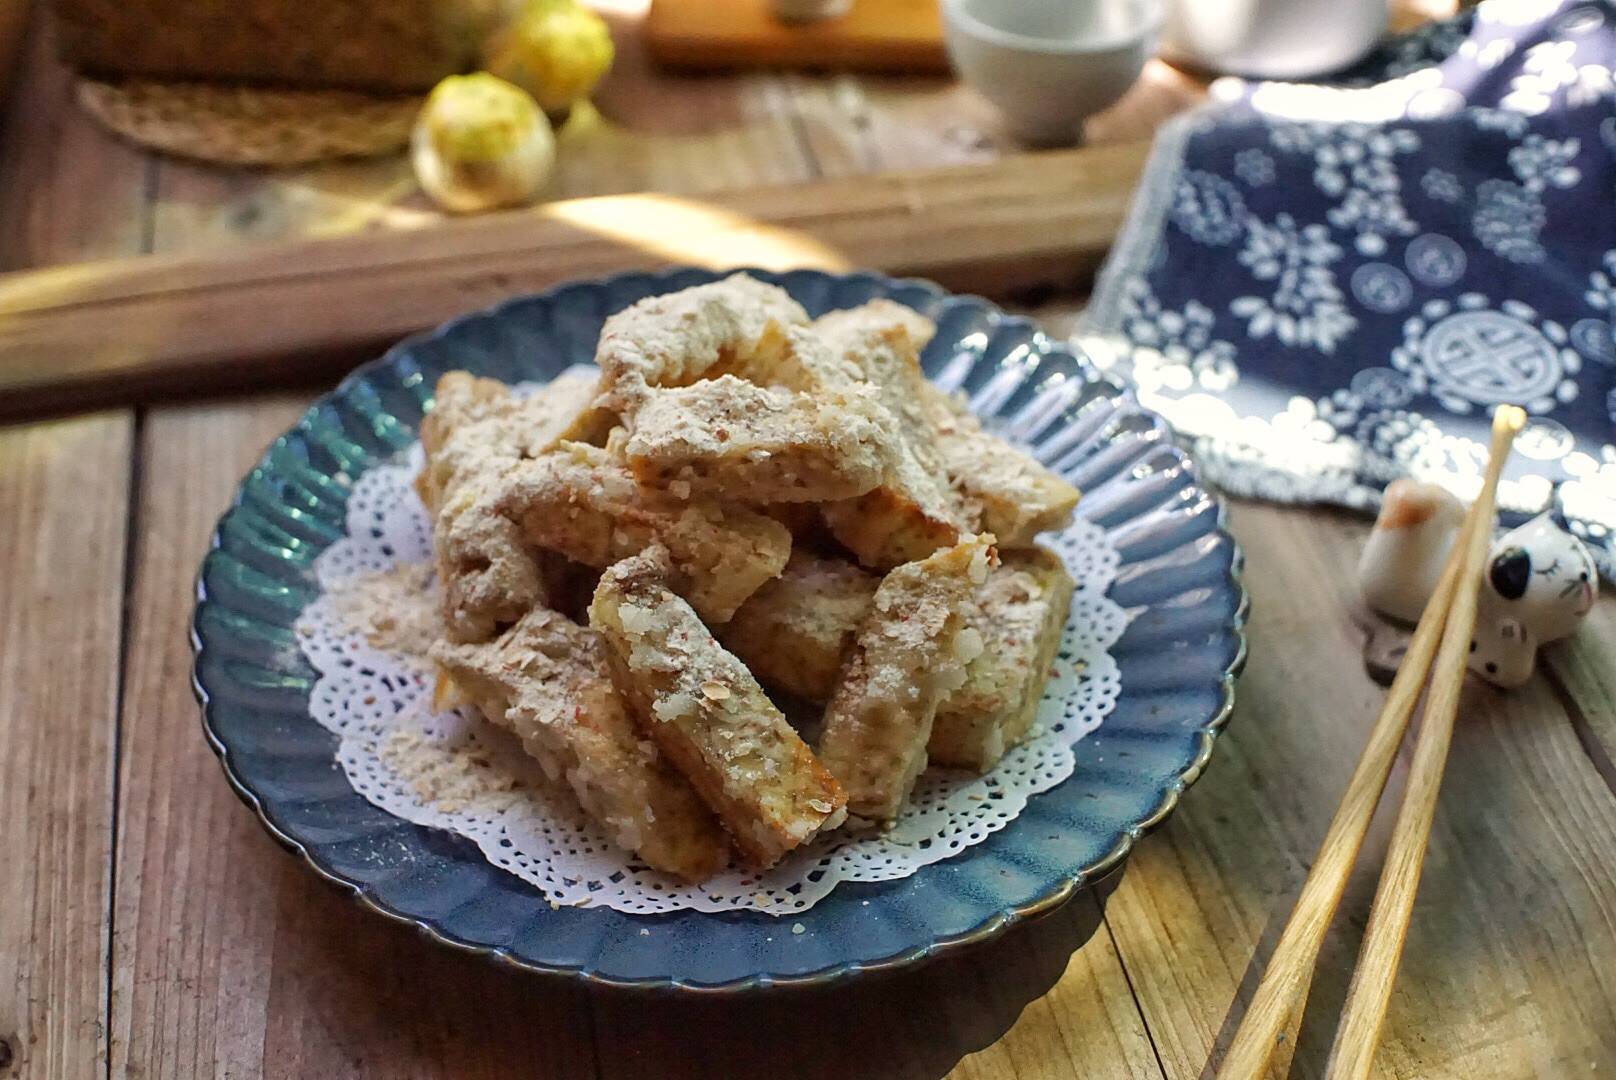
[{"x": 151, "y": 929}]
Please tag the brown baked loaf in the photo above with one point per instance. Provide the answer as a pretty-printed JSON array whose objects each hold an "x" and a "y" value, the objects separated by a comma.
[{"x": 376, "y": 45}]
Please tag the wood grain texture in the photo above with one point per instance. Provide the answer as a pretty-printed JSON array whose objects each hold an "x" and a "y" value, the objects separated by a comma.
[
  {"x": 1270, "y": 1021},
  {"x": 647, "y": 130},
  {"x": 198, "y": 206},
  {"x": 860, "y": 124},
  {"x": 232, "y": 959},
  {"x": 1026, "y": 1005},
  {"x": 1502, "y": 975},
  {"x": 1088, "y": 1022},
  {"x": 1445, "y": 630},
  {"x": 68, "y": 189},
  {"x": 190, "y": 983},
  {"x": 72, "y": 333},
  {"x": 66, "y": 192},
  {"x": 1369, "y": 992},
  {"x": 63, "y": 515},
  {"x": 1580, "y": 669},
  {"x": 857, "y": 125},
  {"x": 1161, "y": 93},
  {"x": 693, "y": 139},
  {"x": 14, "y": 16}
]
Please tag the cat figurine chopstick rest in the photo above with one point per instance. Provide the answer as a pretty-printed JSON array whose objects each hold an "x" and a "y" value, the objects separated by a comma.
[{"x": 1539, "y": 584}]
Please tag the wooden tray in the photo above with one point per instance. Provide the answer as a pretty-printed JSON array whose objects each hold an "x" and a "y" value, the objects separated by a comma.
[
  {"x": 876, "y": 35},
  {"x": 91, "y": 334}
]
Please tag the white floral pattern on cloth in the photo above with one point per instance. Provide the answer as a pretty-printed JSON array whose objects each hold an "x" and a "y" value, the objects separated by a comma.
[
  {"x": 1354, "y": 163},
  {"x": 1441, "y": 185},
  {"x": 1511, "y": 13},
  {"x": 1541, "y": 162},
  {"x": 1601, "y": 292},
  {"x": 1595, "y": 339},
  {"x": 1305, "y": 306},
  {"x": 1208, "y": 208},
  {"x": 1595, "y": 336},
  {"x": 1489, "y": 55},
  {"x": 1420, "y": 48},
  {"x": 1508, "y": 220},
  {"x": 1254, "y": 167},
  {"x": 371, "y": 698},
  {"x": 1548, "y": 71},
  {"x": 1176, "y": 348},
  {"x": 1502, "y": 120},
  {"x": 1551, "y": 71},
  {"x": 1509, "y": 217},
  {"x": 1419, "y": 94},
  {"x": 1435, "y": 236}
]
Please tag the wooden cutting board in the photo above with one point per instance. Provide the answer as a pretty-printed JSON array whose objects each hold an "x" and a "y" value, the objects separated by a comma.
[{"x": 876, "y": 35}]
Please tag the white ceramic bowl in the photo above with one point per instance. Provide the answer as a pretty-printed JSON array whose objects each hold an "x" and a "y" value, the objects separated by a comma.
[{"x": 1052, "y": 63}]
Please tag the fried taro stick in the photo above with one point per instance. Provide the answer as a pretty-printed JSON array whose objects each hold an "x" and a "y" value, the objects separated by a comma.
[
  {"x": 911, "y": 652},
  {"x": 548, "y": 681},
  {"x": 708, "y": 714}
]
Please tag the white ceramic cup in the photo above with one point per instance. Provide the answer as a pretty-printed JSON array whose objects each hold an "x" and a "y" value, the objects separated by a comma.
[{"x": 1049, "y": 65}]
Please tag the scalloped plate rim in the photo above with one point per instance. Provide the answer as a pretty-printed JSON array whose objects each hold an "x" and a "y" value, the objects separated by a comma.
[{"x": 1060, "y": 891}]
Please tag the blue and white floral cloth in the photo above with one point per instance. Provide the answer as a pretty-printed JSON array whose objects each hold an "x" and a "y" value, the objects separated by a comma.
[{"x": 1328, "y": 286}]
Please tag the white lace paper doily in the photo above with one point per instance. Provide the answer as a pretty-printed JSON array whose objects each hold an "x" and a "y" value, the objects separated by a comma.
[{"x": 376, "y": 700}]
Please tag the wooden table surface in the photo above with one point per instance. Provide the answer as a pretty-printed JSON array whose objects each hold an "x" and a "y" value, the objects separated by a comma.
[{"x": 151, "y": 929}]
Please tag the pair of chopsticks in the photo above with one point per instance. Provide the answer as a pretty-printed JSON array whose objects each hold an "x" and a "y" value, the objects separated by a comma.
[{"x": 1443, "y": 636}]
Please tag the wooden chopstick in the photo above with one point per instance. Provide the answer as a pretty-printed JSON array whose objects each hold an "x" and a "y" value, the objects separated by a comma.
[
  {"x": 1284, "y": 985},
  {"x": 1283, "y": 988},
  {"x": 1358, "y": 1032}
]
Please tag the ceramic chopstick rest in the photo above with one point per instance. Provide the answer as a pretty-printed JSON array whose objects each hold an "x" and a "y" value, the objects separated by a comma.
[
  {"x": 1539, "y": 584},
  {"x": 1408, "y": 547}
]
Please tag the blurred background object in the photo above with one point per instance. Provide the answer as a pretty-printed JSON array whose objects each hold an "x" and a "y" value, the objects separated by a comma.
[
  {"x": 238, "y": 124},
  {"x": 1050, "y": 66},
  {"x": 1331, "y": 282},
  {"x": 481, "y": 143},
  {"x": 277, "y": 83},
  {"x": 384, "y": 46},
  {"x": 13, "y": 26},
  {"x": 899, "y": 36},
  {"x": 797, "y": 11},
  {"x": 556, "y": 50},
  {"x": 1272, "y": 39}
]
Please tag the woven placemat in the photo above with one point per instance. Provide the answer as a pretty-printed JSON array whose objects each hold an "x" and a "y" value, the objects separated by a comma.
[{"x": 247, "y": 125}]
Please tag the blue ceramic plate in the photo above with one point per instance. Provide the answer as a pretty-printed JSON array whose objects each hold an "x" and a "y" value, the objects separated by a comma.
[{"x": 1180, "y": 581}]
